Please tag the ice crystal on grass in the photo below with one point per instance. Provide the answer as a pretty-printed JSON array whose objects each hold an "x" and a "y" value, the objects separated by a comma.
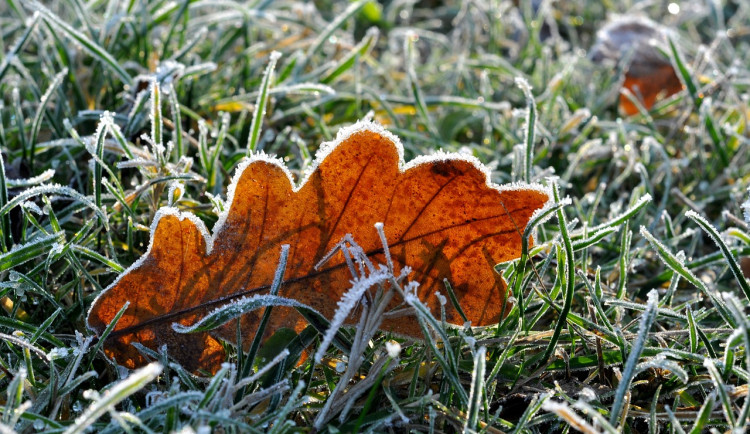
[
  {"x": 393, "y": 348},
  {"x": 348, "y": 303},
  {"x": 373, "y": 306},
  {"x": 746, "y": 207}
]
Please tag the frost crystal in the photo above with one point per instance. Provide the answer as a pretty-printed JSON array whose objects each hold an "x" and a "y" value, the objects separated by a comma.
[
  {"x": 347, "y": 304},
  {"x": 746, "y": 207},
  {"x": 31, "y": 206},
  {"x": 441, "y": 298},
  {"x": 58, "y": 353},
  {"x": 56, "y": 249},
  {"x": 393, "y": 348},
  {"x": 587, "y": 394}
]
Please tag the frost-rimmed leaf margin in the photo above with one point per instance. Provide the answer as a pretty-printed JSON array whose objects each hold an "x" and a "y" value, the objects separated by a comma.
[{"x": 325, "y": 149}]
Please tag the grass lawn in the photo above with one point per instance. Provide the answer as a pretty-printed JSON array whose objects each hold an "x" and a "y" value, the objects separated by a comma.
[{"x": 629, "y": 312}]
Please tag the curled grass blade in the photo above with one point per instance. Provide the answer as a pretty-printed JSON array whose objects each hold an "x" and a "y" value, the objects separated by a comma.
[{"x": 568, "y": 282}]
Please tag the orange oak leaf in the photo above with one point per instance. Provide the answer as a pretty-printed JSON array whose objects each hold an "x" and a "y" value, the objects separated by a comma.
[
  {"x": 649, "y": 75},
  {"x": 441, "y": 214},
  {"x": 660, "y": 81}
]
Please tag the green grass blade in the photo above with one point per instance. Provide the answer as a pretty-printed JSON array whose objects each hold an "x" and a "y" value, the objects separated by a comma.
[
  {"x": 261, "y": 104},
  {"x": 568, "y": 282},
  {"x": 721, "y": 389},
  {"x": 647, "y": 319},
  {"x": 678, "y": 266},
  {"x": 476, "y": 391},
  {"x": 92, "y": 47},
  {"x": 134, "y": 383},
  {"x": 731, "y": 260},
  {"x": 529, "y": 128}
]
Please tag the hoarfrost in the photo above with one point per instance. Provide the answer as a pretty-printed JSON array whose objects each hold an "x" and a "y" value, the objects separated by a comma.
[
  {"x": 470, "y": 341},
  {"x": 441, "y": 298},
  {"x": 58, "y": 353},
  {"x": 238, "y": 307},
  {"x": 56, "y": 249},
  {"x": 34, "y": 180},
  {"x": 411, "y": 288},
  {"x": 31, "y": 206},
  {"x": 393, "y": 348},
  {"x": 175, "y": 192},
  {"x": 347, "y": 304},
  {"x": 136, "y": 163}
]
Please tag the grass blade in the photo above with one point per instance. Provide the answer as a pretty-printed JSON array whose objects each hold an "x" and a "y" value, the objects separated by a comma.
[
  {"x": 647, "y": 319},
  {"x": 731, "y": 260},
  {"x": 92, "y": 47},
  {"x": 568, "y": 282},
  {"x": 135, "y": 382},
  {"x": 261, "y": 103}
]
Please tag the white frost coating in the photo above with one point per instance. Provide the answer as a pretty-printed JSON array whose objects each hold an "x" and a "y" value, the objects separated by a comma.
[
  {"x": 28, "y": 182},
  {"x": 708, "y": 227},
  {"x": 58, "y": 353},
  {"x": 31, "y": 206},
  {"x": 347, "y": 304},
  {"x": 633, "y": 209},
  {"x": 563, "y": 410},
  {"x": 325, "y": 149},
  {"x": 304, "y": 88},
  {"x": 155, "y": 114},
  {"x": 411, "y": 299},
  {"x": 441, "y": 298},
  {"x": 701, "y": 220},
  {"x": 200, "y": 68},
  {"x": 91, "y": 144},
  {"x": 56, "y": 249},
  {"x": 646, "y": 234},
  {"x": 393, "y": 348},
  {"x": 136, "y": 381},
  {"x": 175, "y": 192},
  {"x": 235, "y": 308},
  {"x": 587, "y": 394},
  {"x": 135, "y": 163},
  {"x": 265, "y": 368},
  {"x": 746, "y": 207},
  {"x": 470, "y": 340},
  {"x": 38, "y": 240},
  {"x": 411, "y": 287}
]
